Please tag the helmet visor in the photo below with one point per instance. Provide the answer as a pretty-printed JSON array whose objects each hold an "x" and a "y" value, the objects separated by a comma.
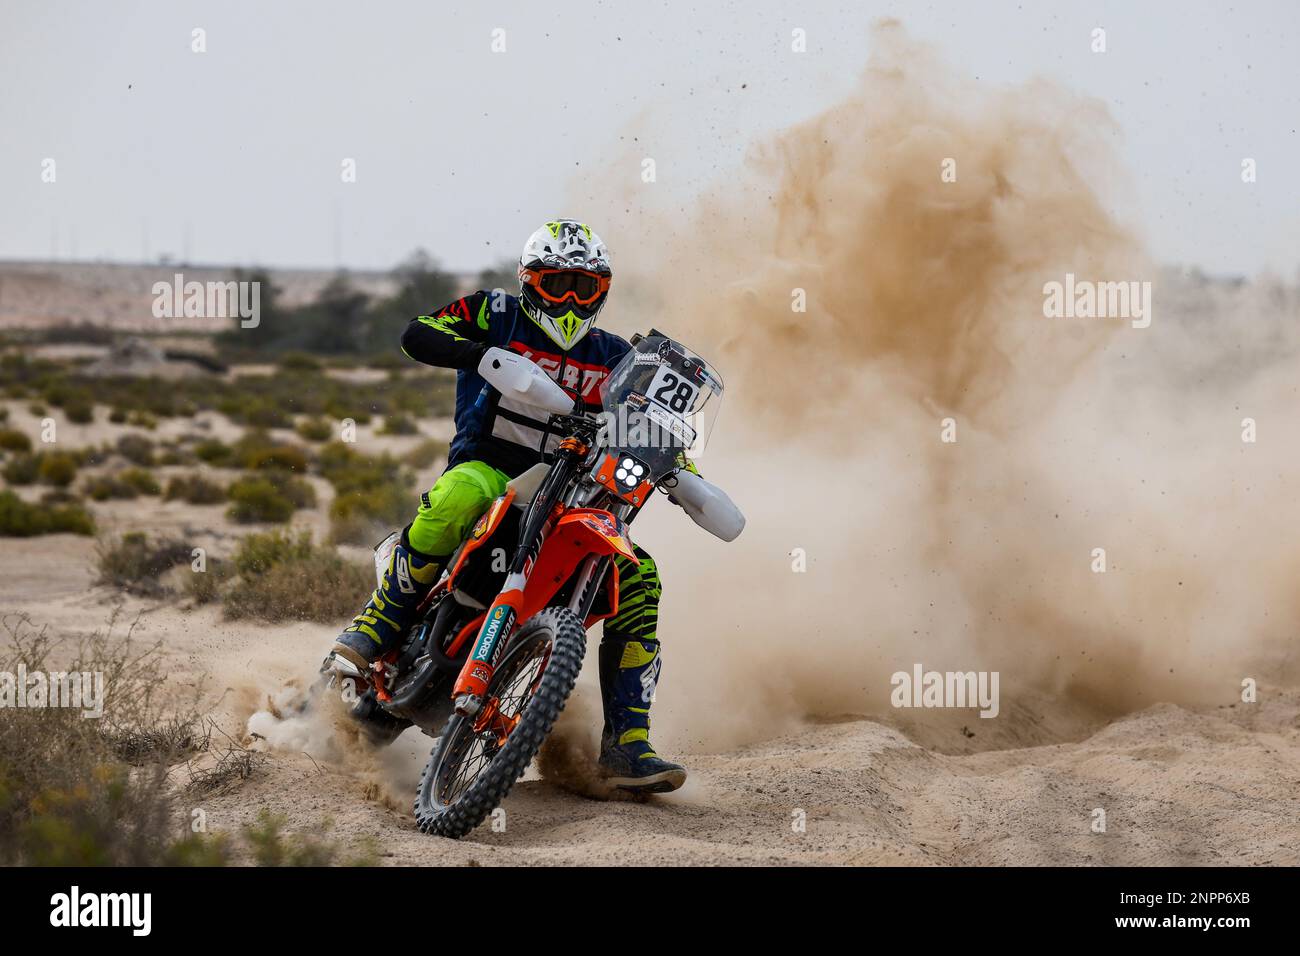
[{"x": 564, "y": 285}]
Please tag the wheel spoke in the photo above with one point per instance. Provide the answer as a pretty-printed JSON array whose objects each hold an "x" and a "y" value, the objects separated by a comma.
[{"x": 471, "y": 753}]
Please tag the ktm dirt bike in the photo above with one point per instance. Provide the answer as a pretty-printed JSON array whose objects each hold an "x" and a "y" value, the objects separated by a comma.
[{"x": 501, "y": 637}]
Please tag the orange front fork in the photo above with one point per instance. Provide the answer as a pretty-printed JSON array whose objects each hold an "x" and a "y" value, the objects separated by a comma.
[{"x": 472, "y": 683}]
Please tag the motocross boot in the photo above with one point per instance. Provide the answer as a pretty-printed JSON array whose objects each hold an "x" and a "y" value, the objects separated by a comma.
[
  {"x": 629, "y": 668},
  {"x": 374, "y": 632}
]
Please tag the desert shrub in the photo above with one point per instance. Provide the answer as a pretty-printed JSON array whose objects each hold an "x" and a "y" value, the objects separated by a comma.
[
  {"x": 117, "y": 415},
  {"x": 425, "y": 453},
  {"x": 142, "y": 419},
  {"x": 255, "y": 451},
  {"x": 392, "y": 361},
  {"x": 360, "y": 517},
  {"x": 142, "y": 481},
  {"x": 259, "y": 553},
  {"x": 59, "y": 496},
  {"x": 136, "y": 563},
  {"x": 257, "y": 499},
  {"x": 57, "y": 468},
  {"x": 92, "y": 455},
  {"x": 266, "y": 415},
  {"x": 282, "y": 576},
  {"x": 80, "y": 410},
  {"x": 371, "y": 494},
  {"x": 215, "y": 452},
  {"x": 398, "y": 425},
  {"x": 18, "y": 519},
  {"x": 247, "y": 406},
  {"x": 349, "y": 470},
  {"x": 268, "y": 496},
  {"x": 338, "y": 409},
  {"x": 63, "y": 393},
  {"x": 300, "y": 362},
  {"x": 137, "y": 449},
  {"x": 315, "y": 429},
  {"x": 107, "y": 488},
  {"x": 204, "y": 587},
  {"x": 270, "y": 846},
  {"x": 11, "y": 439},
  {"x": 22, "y": 469},
  {"x": 297, "y": 490},
  {"x": 194, "y": 489}
]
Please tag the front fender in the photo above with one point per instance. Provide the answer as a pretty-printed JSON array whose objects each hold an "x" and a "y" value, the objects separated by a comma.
[
  {"x": 578, "y": 533},
  {"x": 604, "y": 532}
]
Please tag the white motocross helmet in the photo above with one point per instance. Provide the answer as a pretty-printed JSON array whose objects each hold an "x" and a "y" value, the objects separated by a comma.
[{"x": 564, "y": 277}]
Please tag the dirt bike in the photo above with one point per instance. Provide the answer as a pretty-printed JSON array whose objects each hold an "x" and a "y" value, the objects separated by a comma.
[{"x": 500, "y": 639}]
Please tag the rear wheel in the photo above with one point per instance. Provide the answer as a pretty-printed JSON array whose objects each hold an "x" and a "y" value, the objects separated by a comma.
[{"x": 478, "y": 759}]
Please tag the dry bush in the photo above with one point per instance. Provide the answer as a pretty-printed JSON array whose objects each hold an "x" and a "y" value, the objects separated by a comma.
[
  {"x": 315, "y": 429},
  {"x": 372, "y": 495},
  {"x": 13, "y": 440},
  {"x": 107, "y": 488},
  {"x": 269, "y": 846},
  {"x": 426, "y": 453},
  {"x": 87, "y": 791},
  {"x": 194, "y": 489},
  {"x": 136, "y": 449},
  {"x": 234, "y": 764},
  {"x": 269, "y": 496},
  {"x": 136, "y": 563},
  {"x": 282, "y": 576}
]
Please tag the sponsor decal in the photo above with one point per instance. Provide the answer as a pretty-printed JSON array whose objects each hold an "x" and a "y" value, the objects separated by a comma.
[
  {"x": 493, "y": 628},
  {"x": 649, "y": 679},
  {"x": 578, "y": 377}
]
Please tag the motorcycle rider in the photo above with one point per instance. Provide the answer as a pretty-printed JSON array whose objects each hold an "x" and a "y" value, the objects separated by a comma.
[{"x": 564, "y": 276}]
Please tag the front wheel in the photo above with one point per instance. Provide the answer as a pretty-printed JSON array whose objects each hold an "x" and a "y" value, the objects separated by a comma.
[{"x": 478, "y": 759}]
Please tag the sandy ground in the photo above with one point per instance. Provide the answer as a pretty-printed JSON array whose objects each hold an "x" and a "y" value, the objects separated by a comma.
[
  {"x": 1178, "y": 786},
  {"x": 1217, "y": 785}
]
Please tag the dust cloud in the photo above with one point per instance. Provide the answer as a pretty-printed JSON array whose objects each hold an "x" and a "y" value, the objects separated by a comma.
[{"x": 924, "y": 302}]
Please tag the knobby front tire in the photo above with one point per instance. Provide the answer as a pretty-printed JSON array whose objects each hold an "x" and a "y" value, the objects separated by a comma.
[{"x": 468, "y": 774}]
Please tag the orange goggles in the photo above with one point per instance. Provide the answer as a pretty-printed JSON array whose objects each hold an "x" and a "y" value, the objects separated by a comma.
[{"x": 562, "y": 285}]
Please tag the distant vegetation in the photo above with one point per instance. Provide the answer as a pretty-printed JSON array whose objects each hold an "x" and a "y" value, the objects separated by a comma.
[
  {"x": 258, "y": 401},
  {"x": 341, "y": 320}
]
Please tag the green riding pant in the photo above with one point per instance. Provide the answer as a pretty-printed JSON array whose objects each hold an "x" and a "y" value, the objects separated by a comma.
[{"x": 449, "y": 509}]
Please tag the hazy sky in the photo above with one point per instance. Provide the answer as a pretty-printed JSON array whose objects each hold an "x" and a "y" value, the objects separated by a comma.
[{"x": 234, "y": 155}]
